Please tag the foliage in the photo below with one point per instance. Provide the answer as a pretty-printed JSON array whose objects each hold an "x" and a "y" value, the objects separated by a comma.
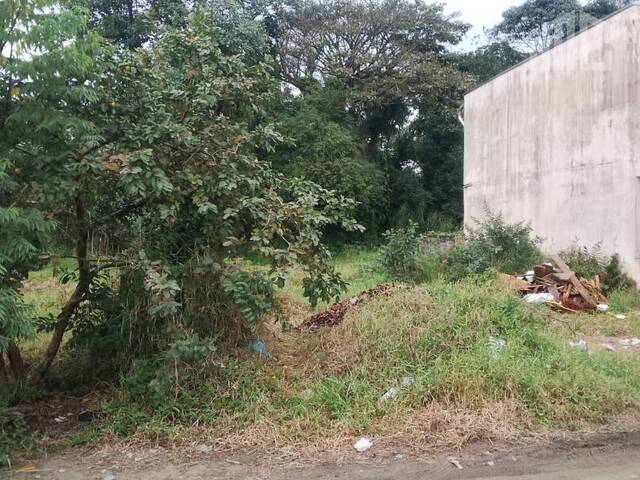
[
  {"x": 537, "y": 25},
  {"x": 130, "y": 23},
  {"x": 602, "y": 8},
  {"x": 155, "y": 150},
  {"x": 440, "y": 334},
  {"x": 585, "y": 262},
  {"x": 399, "y": 256},
  {"x": 325, "y": 149},
  {"x": 495, "y": 244},
  {"x": 589, "y": 262},
  {"x": 490, "y": 60},
  {"x": 402, "y": 93}
]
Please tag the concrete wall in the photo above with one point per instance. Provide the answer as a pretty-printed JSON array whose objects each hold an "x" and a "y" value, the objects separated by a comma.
[{"x": 556, "y": 142}]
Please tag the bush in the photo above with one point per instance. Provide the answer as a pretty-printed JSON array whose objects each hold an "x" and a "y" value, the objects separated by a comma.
[
  {"x": 588, "y": 263},
  {"x": 400, "y": 258},
  {"x": 585, "y": 262},
  {"x": 508, "y": 248}
]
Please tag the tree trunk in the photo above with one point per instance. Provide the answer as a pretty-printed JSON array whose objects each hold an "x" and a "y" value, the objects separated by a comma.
[
  {"x": 4, "y": 375},
  {"x": 16, "y": 363},
  {"x": 77, "y": 297}
]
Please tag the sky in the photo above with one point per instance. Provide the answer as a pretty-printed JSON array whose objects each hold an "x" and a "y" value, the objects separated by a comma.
[{"x": 479, "y": 13}]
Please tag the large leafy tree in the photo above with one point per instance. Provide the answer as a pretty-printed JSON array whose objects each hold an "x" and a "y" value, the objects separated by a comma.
[
  {"x": 537, "y": 25},
  {"x": 153, "y": 152},
  {"x": 602, "y": 8},
  {"x": 391, "y": 59},
  {"x": 45, "y": 69},
  {"x": 324, "y": 147}
]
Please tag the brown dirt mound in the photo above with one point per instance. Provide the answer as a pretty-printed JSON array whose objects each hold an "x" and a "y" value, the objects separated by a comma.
[{"x": 334, "y": 315}]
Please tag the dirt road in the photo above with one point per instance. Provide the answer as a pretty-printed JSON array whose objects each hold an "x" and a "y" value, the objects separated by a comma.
[{"x": 595, "y": 458}]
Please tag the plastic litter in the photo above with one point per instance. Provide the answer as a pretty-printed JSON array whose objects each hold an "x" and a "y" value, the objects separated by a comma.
[
  {"x": 579, "y": 345},
  {"x": 407, "y": 381},
  {"x": 390, "y": 394},
  {"x": 602, "y": 308},
  {"x": 456, "y": 463},
  {"x": 621, "y": 317},
  {"x": 260, "y": 348},
  {"x": 363, "y": 445},
  {"x": 530, "y": 276},
  {"x": 497, "y": 344},
  {"x": 538, "y": 298}
]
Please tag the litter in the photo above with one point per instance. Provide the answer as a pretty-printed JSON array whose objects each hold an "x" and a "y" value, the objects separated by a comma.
[
  {"x": 456, "y": 463},
  {"x": 363, "y": 445},
  {"x": 497, "y": 344},
  {"x": 559, "y": 288},
  {"x": 621, "y": 317},
  {"x": 629, "y": 342},
  {"x": 579, "y": 345},
  {"x": 538, "y": 298},
  {"x": 258, "y": 346},
  {"x": 390, "y": 394},
  {"x": 407, "y": 381}
]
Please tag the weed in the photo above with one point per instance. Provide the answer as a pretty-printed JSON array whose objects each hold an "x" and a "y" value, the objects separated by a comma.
[
  {"x": 400, "y": 258},
  {"x": 496, "y": 244}
]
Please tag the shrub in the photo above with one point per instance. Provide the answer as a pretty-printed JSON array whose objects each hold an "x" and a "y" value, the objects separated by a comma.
[
  {"x": 589, "y": 262},
  {"x": 585, "y": 262},
  {"x": 400, "y": 257},
  {"x": 508, "y": 248}
]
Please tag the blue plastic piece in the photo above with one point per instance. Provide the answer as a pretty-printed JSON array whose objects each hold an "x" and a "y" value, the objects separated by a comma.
[{"x": 260, "y": 348}]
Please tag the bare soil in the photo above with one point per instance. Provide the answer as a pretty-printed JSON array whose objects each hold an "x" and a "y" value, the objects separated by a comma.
[{"x": 575, "y": 457}]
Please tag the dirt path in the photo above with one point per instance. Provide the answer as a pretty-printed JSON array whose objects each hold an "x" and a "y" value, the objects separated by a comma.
[{"x": 599, "y": 457}]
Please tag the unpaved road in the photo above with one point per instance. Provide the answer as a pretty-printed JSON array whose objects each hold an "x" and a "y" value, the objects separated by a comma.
[{"x": 601, "y": 457}]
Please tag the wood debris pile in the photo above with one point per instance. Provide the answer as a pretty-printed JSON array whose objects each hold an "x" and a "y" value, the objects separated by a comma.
[
  {"x": 569, "y": 293},
  {"x": 334, "y": 315}
]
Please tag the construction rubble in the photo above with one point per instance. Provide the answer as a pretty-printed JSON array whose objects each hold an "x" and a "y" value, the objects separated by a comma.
[
  {"x": 559, "y": 287},
  {"x": 334, "y": 315}
]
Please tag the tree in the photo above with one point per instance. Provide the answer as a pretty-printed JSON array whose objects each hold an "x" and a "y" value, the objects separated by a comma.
[
  {"x": 45, "y": 66},
  {"x": 131, "y": 23},
  {"x": 156, "y": 151},
  {"x": 325, "y": 149},
  {"x": 603, "y": 8},
  {"x": 488, "y": 61},
  {"x": 536, "y": 25},
  {"x": 389, "y": 57}
]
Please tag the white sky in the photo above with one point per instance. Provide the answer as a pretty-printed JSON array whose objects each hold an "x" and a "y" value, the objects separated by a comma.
[{"x": 479, "y": 13}]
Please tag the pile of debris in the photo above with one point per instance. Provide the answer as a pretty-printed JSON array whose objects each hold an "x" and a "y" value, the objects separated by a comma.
[
  {"x": 560, "y": 288},
  {"x": 334, "y": 315}
]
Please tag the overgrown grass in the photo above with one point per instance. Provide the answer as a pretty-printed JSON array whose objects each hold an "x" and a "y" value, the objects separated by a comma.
[
  {"x": 319, "y": 385},
  {"x": 327, "y": 385}
]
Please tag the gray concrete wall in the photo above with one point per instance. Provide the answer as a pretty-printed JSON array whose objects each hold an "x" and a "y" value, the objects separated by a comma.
[{"x": 556, "y": 142}]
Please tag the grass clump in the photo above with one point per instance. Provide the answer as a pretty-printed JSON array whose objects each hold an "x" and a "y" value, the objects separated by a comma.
[{"x": 508, "y": 248}]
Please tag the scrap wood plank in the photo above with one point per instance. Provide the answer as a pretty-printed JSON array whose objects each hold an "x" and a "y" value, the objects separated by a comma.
[{"x": 584, "y": 293}]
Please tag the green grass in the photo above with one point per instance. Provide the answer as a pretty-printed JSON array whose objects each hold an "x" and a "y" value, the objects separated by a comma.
[
  {"x": 319, "y": 385},
  {"x": 354, "y": 264},
  {"x": 439, "y": 333}
]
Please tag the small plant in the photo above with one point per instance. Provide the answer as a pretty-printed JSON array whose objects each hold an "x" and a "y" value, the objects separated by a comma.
[
  {"x": 400, "y": 257},
  {"x": 589, "y": 262},
  {"x": 585, "y": 262},
  {"x": 506, "y": 247}
]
